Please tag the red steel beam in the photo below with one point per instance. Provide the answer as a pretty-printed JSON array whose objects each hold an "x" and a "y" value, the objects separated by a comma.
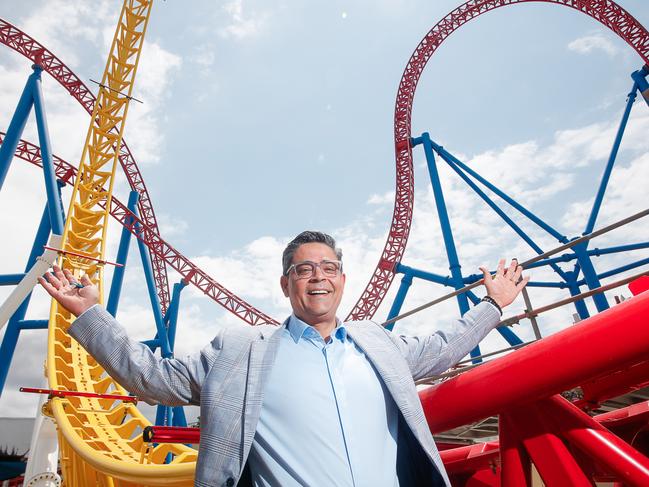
[
  {"x": 171, "y": 434},
  {"x": 612, "y": 340},
  {"x": 607, "y": 449},
  {"x": 92, "y": 395},
  {"x": 612, "y": 385},
  {"x": 554, "y": 462},
  {"x": 513, "y": 460},
  {"x": 156, "y": 244},
  {"x": 470, "y": 458}
]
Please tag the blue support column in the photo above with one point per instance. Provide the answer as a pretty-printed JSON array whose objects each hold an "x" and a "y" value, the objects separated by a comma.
[
  {"x": 167, "y": 415},
  {"x": 171, "y": 318},
  {"x": 406, "y": 282},
  {"x": 122, "y": 256},
  {"x": 11, "y": 279},
  {"x": 447, "y": 232},
  {"x": 153, "y": 297},
  {"x": 640, "y": 78},
  {"x": 573, "y": 287},
  {"x": 17, "y": 125},
  {"x": 179, "y": 418},
  {"x": 10, "y": 339},
  {"x": 53, "y": 198},
  {"x": 597, "y": 204},
  {"x": 590, "y": 275},
  {"x": 447, "y": 156}
]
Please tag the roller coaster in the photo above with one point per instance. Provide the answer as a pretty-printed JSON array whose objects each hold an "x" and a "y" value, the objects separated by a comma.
[{"x": 103, "y": 438}]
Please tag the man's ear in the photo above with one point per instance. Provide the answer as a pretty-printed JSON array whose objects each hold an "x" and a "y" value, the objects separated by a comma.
[{"x": 283, "y": 281}]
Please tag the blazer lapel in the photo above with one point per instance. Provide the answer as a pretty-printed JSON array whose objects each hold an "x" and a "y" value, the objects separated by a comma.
[{"x": 263, "y": 351}]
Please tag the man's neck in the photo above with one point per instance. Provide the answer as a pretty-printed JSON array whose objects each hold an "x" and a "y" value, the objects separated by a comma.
[{"x": 324, "y": 327}]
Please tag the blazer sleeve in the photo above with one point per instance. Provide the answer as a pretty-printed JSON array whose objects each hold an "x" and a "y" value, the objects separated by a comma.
[
  {"x": 433, "y": 354},
  {"x": 155, "y": 380}
]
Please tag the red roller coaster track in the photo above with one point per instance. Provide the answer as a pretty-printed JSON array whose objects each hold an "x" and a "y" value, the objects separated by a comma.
[{"x": 607, "y": 12}]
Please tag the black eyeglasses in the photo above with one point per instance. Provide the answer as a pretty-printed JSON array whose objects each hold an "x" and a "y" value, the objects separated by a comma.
[{"x": 306, "y": 269}]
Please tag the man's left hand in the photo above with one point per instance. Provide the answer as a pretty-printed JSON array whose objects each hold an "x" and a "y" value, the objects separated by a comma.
[{"x": 506, "y": 283}]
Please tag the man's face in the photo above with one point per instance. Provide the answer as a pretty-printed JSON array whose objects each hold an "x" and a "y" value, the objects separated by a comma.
[{"x": 308, "y": 300}]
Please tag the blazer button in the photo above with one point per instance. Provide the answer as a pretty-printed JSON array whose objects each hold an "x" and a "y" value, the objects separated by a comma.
[{"x": 229, "y": 482}]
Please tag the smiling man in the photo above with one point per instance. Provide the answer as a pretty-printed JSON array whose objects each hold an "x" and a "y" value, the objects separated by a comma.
[{"x": 314, "y": 402}]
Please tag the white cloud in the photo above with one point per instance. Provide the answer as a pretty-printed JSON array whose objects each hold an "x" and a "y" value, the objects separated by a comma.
[
  {"x": 153, "y": 86},
  {"x": 590, "y": 43},
  {"x": 242, "y": 23}
]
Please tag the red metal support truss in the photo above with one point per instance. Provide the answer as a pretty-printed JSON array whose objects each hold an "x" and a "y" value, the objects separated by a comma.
[
  {"x": 22, "y": 43},
  {"x": 156, "y": 244},
  {"x": 607, "y": 12},
  {"x": 567, "y": 445}
]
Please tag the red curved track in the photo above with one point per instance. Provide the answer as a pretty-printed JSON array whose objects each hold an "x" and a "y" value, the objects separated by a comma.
[
  {"x": 165, "y": 252},
  {"x": 607, "y": 12},
  {"x": 30, "y": 48}
]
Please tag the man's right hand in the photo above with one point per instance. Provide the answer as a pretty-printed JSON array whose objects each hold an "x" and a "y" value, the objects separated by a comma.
[{"x": 62, "y": 286}]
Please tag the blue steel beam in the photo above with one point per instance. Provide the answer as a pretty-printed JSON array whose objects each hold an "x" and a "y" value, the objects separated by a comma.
[
  {"x": 395, "y": 309},
  {"x": 590, "y": 275},
  {"x": 597, "y": 204},
  {"x": 33, "y": 324},
  {"x": 10, "y": 339},
  {"x": 11, "y": 279},
  {"x": 445, "y": 224},
  {"x": 531, "y": 216},
  {"x": 122, "y": 256},
  {"x": 153, "y": 296},
  {"x": 171, "y": 318},
  {"x": 502, "y": 214},
  {"x": 428, "y": 276},
  {"x": 16, "y": 126},
  {"x": 640, "y": 77},
  {"x": 53, "y": 199}
]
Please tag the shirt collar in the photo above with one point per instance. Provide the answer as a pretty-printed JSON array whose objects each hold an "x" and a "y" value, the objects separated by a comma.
[{"x": 299, "y": 329}]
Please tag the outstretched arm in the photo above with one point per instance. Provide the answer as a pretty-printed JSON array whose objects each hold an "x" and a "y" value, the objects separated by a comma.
[
  {"x": 433, "y": 354},
  {"x": 152, "y": 379}
]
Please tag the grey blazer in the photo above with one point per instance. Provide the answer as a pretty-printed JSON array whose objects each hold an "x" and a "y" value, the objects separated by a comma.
[{"x": 226, "y": 379}]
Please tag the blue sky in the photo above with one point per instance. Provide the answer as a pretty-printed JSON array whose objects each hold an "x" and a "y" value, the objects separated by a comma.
[{"x": 261, "y": 119}]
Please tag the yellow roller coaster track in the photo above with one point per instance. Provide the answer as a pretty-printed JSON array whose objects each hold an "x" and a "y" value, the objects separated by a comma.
[{"x": 100, "y": 440}]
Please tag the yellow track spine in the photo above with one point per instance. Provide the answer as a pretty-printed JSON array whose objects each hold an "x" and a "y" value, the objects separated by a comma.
[{"x": 100, "y": 440}]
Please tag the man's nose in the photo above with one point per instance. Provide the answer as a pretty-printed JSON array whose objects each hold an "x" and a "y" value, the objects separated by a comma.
[{"x": 318, "y": 275}]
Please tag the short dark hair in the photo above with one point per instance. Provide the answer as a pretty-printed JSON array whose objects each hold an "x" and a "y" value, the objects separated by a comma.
[{"x": 308, "y": 236}]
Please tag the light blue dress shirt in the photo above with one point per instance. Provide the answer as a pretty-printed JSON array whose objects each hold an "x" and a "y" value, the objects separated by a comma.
[{"x": 327, "y": 418}]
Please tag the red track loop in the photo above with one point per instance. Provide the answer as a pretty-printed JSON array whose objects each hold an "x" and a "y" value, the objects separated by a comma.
[
  {"x": 607, "y": 12},
  {"x": 22, "y": 43}
]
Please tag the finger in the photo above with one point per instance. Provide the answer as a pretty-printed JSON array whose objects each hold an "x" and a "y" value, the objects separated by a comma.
[
  {"x": 60, "y": 276},
  {"x": 522, "y": 283},
  {"x": 53, "y": 281},
  {"x": 486, "y": 275},
  {"x": 500, "y": 271},
  {"x": 68, "y": 275},
  {"x": 511, "y": 270},
  {"x": 51, "y": 290},
  {"x": 518, "y": 273},
  {"x": 85, "y": 280}
]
